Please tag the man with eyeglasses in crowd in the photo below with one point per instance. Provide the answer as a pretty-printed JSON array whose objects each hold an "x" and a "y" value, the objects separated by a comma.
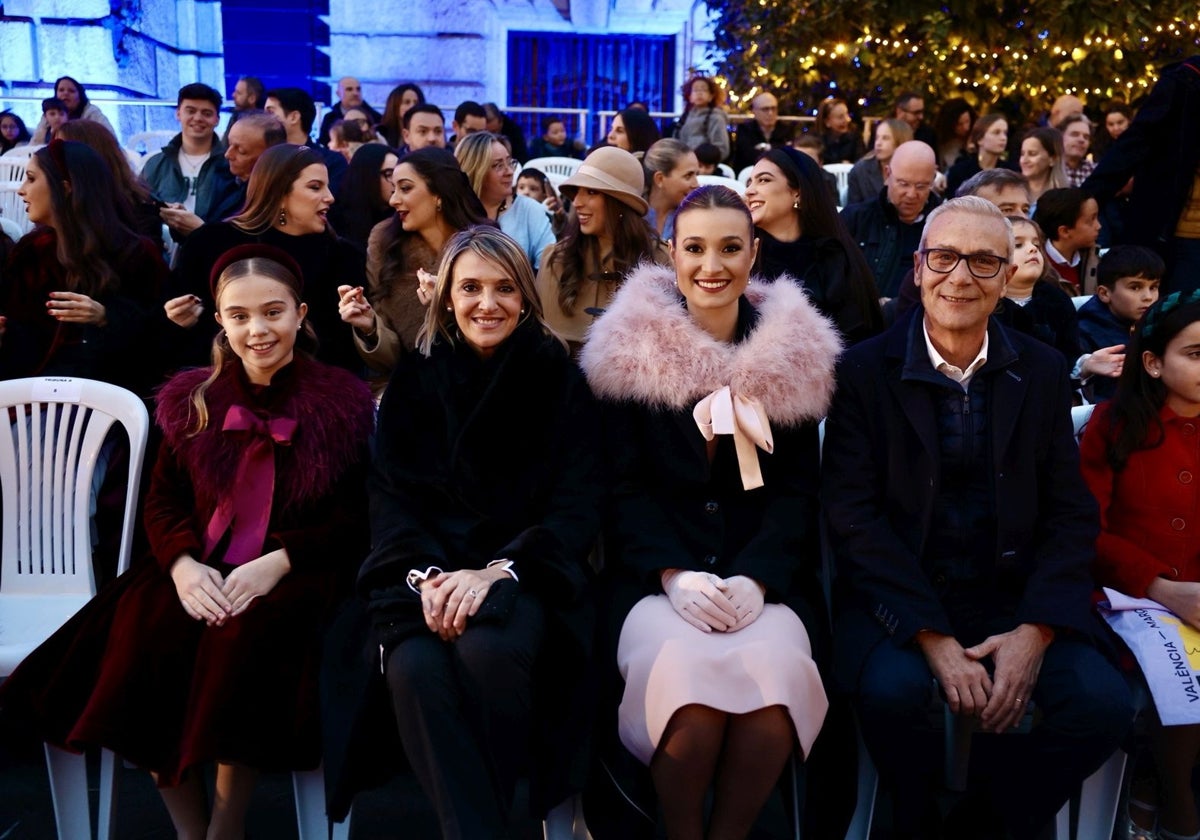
[
  {"x": 910, "y": 107},
  {"x": 963, "y": 535},
  {"x": 888, "y": 227},
  {"x": 757, "y": 136}
]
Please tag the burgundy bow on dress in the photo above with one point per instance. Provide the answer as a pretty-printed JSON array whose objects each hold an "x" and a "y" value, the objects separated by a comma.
[{"x": 246, "y": 509}]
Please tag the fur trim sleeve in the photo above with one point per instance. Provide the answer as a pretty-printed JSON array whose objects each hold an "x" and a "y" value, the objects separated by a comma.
[{"x": 647, "y": 349}]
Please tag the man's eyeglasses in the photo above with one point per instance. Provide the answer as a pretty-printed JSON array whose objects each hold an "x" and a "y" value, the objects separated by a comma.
[
  {"x": 919, "y": 186},
  {"x": 944, "y": 261}
]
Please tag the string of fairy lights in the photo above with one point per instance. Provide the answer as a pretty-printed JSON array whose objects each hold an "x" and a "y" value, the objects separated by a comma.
[{"x": 1031, "y": 67}]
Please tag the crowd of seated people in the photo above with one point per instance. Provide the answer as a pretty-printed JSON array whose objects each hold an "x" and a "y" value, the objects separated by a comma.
[{"x": 577, "y": 530}]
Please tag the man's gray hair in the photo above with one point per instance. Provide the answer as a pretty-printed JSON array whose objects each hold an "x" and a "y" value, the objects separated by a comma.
[
  {"x": 972, "y": 205},
  {"x": 996, "y": 178}
]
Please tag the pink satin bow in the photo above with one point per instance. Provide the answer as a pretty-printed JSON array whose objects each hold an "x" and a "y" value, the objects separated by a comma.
[
  {"x": 246, "y": 509},
  {"x": 722, "y": 413}
]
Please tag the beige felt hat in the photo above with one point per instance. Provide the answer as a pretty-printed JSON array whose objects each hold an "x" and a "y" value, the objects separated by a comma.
[{"x": 614, "y": 172}]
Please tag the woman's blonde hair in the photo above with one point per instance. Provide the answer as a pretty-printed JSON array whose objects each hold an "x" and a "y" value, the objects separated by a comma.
[
  {"x": 222, "y": 353},
  {"x": 488, "y": 243},
  {"x": 474, "y": 155}
]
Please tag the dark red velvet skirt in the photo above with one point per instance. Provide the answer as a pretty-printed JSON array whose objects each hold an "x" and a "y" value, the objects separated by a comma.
[{"x": 133, "y": 672}]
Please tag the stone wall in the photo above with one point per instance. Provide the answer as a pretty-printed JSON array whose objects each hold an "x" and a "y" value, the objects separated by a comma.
[{"x": 118, "y": 49}]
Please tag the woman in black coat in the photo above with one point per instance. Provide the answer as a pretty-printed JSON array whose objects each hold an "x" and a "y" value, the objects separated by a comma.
[
  {"x": 714, "y": 545},
  {"x": 802, "y": 236},
  {"x": 484, "y": 505}
]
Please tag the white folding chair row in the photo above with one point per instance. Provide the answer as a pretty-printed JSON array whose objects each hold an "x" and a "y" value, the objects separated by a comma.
[
  {"x": 12, "y": 208},
  {"x": 147, "y": 143},
  {"x": 11, "y": 229},
  {"x": 718, "y": 180},
  {"x": 552, "y": 166}
]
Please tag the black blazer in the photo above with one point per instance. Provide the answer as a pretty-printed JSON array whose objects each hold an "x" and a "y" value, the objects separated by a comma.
[{"x": 880, "y": 479}]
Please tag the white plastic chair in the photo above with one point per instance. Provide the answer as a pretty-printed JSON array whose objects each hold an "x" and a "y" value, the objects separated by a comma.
[
  {"x": 563, "y": 167},
  {"x": 11, "y": 229},
  {"x": 150, "y": 142},
  {"x": 717, "y": 180},
  {"x": 726, "y": 171},
  {"x": 1080, "y": 300},
  {"x": 744, "y": 175},
  {"x": 48, "y": 458},
  {"x": 841, "y": 171}
]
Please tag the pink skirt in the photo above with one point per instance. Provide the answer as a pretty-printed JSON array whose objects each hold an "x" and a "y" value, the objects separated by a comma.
[{"x": 668, "y": 664}]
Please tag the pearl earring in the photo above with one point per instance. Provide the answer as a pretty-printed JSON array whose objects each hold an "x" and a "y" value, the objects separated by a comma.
[
  {"x": 796, "y": 203},
  {"x": 282, "y": 219}
]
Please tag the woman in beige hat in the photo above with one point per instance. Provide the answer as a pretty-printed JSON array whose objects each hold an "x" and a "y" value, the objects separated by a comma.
[{"x": 606, "y": 236}]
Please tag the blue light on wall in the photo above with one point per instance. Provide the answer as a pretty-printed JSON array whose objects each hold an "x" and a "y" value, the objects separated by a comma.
[{"x": 278, "y": 41}]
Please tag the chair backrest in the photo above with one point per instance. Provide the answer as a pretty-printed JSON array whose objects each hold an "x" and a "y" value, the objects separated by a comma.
[
  {"x": 744, "y": 175},
  {"x": 12, "y": 207},
  {"x": 48, "y": 459},
  {"x": 146, "y": 143},
  {"x": 1080, "y": 300},
  {"x": 12, "y": 167},
  {"x": 841, "y": 171},
  {"x": 733, "y": 183},
  {"x": 11, "y": 228},
  {"x": 726, "y": 171},
  {"x": 1080, "y": 415},
  {"x": 563, "y": 167}
]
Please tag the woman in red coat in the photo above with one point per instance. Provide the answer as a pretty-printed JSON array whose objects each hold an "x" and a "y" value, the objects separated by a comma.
[
  {"x": 1140, "y": 456},
  {"x": 210, "y": 652}
]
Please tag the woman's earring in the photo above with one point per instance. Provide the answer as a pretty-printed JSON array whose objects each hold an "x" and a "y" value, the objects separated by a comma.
[
  {"x": 438, "y": 207},
  {"x": 796, "y": 203},
  {"x": 282, "y": 219}
]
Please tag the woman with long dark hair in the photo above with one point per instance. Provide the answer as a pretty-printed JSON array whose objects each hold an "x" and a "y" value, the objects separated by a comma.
[
  {"x": 13, "y": 132},
  {"x": 145, "y": 217},
  {"x": 804, "y": 238},
  {"x": 79, "y": 107},
  {"x": 287, "y": 203},
  {"x": 433, "y": 200},
  {"x": 80, "y": 290},
  {"x": 402, "y": 97},
  {"x": 605, "y": 238},
  {"x": 366, "y": 189},
  {"x": 633, "y": 130}
]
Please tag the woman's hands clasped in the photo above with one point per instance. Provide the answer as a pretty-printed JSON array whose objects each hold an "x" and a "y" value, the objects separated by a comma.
[
  {"x": 708, "y": 602},
  {"x": 450, "y": 598}
]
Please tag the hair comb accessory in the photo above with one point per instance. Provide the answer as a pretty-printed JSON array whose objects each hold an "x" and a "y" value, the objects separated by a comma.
[
  {"x": 57, "y": 150},
  {"x": 1164, "y": 307},
  {"x": 250, "y": 251}
]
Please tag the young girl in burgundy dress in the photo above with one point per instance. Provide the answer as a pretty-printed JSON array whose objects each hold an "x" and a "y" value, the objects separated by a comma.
[{"x": 210, "y": 651}]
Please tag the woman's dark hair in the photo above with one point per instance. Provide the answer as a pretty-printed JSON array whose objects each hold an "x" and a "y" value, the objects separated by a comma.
[
  {"x": 633, "y": 240},
  {"x": 270, "y": 182},
  {"x": 89, "y": 218},
  {"x": 461, "y": 208},
  {"x": 23, "y": 135},
  {"x": 980, "y": 128},
  {"x": 1134, "y": 423},
  {"x": 392, "y": 122},
  {"x": 819, "y": 219},
  {"x": 83, "y": 97},
  {"x": 1102, "y": 141},
  {"x": 948, "y": 116},
  {"x": 714, "y": 196},
  {"x": 105, "y": 144},
  {"x": 640, "y": 128},
  {"x": 359, "y": 202}
]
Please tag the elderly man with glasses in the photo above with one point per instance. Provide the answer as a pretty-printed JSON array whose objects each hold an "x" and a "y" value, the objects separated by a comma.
[
  {"x": 888, "y": 227},
  {"x": 964, "y": 536}
]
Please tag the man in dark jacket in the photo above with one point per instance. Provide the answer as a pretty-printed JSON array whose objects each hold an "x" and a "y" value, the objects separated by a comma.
[
  {"x": 297, "y": 111},
  {"x": 1161, "y": 152},
  {"x": 186, "y": 172},
  {"x": 761, "y": 134},
  {"x": 964, "y": 536},
  {"x": 350, "y": 95},
  {"x": 888, "y": 228}
]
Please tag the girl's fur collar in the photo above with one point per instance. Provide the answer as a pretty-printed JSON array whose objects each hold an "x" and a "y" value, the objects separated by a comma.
[
  {"x": 333, "y": 410},
  {"x": 647, "y": 349}
]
